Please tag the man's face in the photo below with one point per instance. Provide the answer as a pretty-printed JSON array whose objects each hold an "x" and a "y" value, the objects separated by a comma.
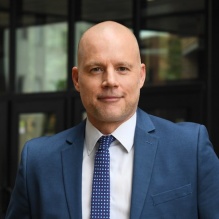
[{"x": 109, "y": 78}]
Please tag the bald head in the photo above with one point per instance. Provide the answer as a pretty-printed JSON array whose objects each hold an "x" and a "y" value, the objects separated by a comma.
[{"x": 108, "y": 32}]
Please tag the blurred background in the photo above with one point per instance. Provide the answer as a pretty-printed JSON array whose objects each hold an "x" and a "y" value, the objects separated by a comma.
[{"x": 38, "y": 42}]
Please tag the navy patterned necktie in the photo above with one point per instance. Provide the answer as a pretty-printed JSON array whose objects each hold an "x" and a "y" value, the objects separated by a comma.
[{"x": 100, "y": 200}]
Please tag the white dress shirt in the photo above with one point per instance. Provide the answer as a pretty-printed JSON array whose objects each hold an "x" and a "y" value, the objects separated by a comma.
[{"x": 121, "y": 168}]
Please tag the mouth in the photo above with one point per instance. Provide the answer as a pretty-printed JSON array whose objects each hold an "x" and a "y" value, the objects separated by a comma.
[{"x": 109, "y": 99}]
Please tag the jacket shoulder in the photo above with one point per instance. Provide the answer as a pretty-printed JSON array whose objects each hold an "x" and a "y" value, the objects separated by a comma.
[
  {"x": 169, "y": 130},
  {"x": 54, "y": 142}
]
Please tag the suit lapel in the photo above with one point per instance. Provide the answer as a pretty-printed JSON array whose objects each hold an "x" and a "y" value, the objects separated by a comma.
[
  {"x": 145, "y": 146},
  {"x": 72, "y": 157}
]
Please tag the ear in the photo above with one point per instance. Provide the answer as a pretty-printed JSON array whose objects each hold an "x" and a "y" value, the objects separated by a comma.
[
  {"x": 75, "y": 78},
  {"x": 142, "y": 75}
]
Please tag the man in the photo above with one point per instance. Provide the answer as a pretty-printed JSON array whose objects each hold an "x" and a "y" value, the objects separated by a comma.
[{"x": 158, "y": 169}]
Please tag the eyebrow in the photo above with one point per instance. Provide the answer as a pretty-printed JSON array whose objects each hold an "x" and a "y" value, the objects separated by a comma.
[
  {"x": 124, "y": 64},
  {"x": 95, "y": 63}
]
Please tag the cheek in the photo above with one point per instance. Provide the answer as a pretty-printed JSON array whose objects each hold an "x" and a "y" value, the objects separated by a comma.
[
  {"x": 133, "y": 84},
  {"x": 133, "y": 88},
  {"x": 87, "y": 90},
  {"x": 87, "y": 82}
]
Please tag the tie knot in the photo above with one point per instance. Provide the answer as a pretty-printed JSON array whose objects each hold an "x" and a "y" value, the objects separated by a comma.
[{"x": 105, "y": 141}]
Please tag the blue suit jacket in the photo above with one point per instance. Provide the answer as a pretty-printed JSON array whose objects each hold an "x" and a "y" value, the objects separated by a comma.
[{"x": 176, "y": 174}]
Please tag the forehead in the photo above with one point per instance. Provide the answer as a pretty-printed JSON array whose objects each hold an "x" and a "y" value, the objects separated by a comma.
[
  {"x": 108, "y": 45},
  {"x": 102, "y": 53},
  {"x": 107, "y": 33}
]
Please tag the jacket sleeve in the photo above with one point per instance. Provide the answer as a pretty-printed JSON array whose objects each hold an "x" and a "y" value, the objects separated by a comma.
[
  {"x": 208, "y": 177},
  {"x": 19, "y": 205}
]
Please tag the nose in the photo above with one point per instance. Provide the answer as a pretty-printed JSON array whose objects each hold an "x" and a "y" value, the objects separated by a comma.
[{"x": 110, "y": 78}]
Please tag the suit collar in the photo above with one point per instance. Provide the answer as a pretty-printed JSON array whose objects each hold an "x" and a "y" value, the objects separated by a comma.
[
  {"x": 72, "y": 157},
  {"x": 78, "y": 130},
  {"x": 144, "y": 121},
  {"x": 145, "y": 146}
]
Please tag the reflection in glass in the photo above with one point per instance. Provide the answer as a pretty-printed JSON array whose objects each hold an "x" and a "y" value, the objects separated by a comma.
[
  {"x": 152, "y": 7},
  {"x": 41, "y": 58},
  {"x": 32, "y": 125},
  {"x": 171, "y": 39},
  {"x": 169, "y": 56},
  {"x": 4, "y": 51}
]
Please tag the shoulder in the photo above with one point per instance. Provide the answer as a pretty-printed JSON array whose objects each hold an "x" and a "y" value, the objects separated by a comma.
[
  {"x": 168, "y": 130},
  {"x": 56, "y": 142},
  {"x": 159, "y": 123}
]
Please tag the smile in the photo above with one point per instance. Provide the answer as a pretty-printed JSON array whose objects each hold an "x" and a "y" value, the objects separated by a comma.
[{"x": 109, "y": 98}]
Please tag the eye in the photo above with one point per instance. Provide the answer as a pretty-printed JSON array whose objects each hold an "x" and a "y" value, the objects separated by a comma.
[
  {"x": 122, "y": 69},
  {"x": 96, "y": 70}
]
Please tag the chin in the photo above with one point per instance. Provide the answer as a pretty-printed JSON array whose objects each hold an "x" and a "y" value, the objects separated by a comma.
[{"x": 114, "y": 117}]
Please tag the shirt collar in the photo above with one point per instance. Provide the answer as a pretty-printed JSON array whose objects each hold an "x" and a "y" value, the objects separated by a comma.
[{"x": 124, "y": 134}]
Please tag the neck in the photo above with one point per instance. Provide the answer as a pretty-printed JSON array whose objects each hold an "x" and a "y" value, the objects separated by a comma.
[{"x": 106, "y": 128}]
